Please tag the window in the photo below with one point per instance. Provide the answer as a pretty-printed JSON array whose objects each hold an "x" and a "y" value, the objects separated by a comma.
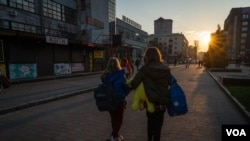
[
  {"x": 243, "y": 41},
  {"x": 3, "y": 2},
  {"x": 69, "y": 15},
  {"x": 23, "y": 27},
  {"x": 244, "y": 16},
  {"x": 4, "y": 24},
  {"x": 27, "y": 5},
  {"x": 243, "y": 47},
  {"x": 243, "y": 34},
  {"x": 54, "y": 33},
  {"x": 52, "y": 10},
  {"x": 244, "y": 29},
  {"x": 59, "y": 12},
  {"x": 245, "y": 23}
]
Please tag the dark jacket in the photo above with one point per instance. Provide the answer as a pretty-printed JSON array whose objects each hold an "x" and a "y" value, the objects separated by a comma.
[
  {"x": 156, "y": 79},
  {"x": 117, "y": 78}
]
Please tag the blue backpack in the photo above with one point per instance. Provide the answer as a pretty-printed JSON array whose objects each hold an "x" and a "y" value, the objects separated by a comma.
[{"x": 178, "y": 99}]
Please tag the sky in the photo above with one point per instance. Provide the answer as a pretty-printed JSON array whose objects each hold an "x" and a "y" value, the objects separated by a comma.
[{"x": 196, "y": 19}]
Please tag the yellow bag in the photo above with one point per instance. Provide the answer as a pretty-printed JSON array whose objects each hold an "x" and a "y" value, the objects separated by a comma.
[{"x": 140, "y": 99}]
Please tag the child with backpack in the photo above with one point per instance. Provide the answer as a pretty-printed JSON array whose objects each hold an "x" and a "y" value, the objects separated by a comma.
[
  {"x": 155, "y": 76},
  {"x": 114, "y": 74}
]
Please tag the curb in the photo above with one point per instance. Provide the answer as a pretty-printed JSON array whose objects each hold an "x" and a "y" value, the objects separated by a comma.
[
  {"x": 43, "y": 101},
  {"x": 52, "y": 77},
  {"x": 236, "y": 102}
]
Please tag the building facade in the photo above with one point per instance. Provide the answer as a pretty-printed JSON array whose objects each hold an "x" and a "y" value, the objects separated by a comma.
[
  {"x": 163, "y": 26},
  {"x": 173, "y": 46},
  {"x": 53, "y": 37},
  {"x": 133, "y": 39},
  {"x": 237, "y": 29}
]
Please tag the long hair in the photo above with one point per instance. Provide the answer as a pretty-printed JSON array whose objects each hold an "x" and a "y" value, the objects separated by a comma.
[
  {"x": 113, "y": 64},
  {"x": 125, "y": 60},
  {"x": 152, "y": 55}
]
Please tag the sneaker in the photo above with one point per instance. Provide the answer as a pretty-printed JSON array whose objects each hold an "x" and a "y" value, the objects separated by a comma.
[
  {"x": 120, "y": 138},
  {"x": 110, "y": 138}
]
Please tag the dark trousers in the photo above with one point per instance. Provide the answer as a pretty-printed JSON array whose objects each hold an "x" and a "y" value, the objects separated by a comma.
[
  {"x": 155, "y": 122},
  {"x": 116, "y": 119}
]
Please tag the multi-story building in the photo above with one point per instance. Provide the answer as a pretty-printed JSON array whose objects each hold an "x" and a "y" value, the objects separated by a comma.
[
  {"x": 133, "y": 38},
  {"x": 172, "y": 45},
  {"x": 112, "y": 10},
  {"x": 163, "y": 26},
  {"x": 237, "y": 28},
  {"x": 53, "y": 37}
]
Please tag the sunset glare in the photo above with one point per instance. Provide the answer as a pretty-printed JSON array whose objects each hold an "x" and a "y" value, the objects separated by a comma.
[
  {"x": 193, "y": 18},
  {"x": 204, "y": 38}
]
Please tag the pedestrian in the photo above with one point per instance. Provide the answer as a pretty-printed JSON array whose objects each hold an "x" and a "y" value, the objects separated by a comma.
[
  {"x": 238, "y": 62},
  {"x": 155, "y": 76},
  {"x": 126, "y": 66},
  {"x": 175, "y": 61},
  {"x": 137, "y": 63},
  {"x": 187, "y": 63},
  {"x": 115, "y": 74},
  {"x": 131, "y": 63}
]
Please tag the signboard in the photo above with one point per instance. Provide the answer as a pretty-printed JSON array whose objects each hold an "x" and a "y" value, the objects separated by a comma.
[
  {"x": 77, "y": 67},
  {"x": 98, "y": 54},
  {"x": 131, "y": 22},
  {"x": 3, "y": 69},
  {"x": 95, "y": 22},
  {"x": 56, "y": 40}
]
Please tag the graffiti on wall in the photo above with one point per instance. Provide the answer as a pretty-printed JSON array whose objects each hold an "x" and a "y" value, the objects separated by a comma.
[
  {"x": 18, "y": 71},
  {"x": 62, "y": 68}
]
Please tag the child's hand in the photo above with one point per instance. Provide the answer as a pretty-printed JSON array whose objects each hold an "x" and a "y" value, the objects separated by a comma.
[{"x": 129, "y": 82}]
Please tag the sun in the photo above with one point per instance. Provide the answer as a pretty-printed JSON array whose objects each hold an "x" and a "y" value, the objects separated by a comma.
[{"x": 205, "y": 37}]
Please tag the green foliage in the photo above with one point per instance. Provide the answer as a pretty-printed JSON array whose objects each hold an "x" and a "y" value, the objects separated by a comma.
[
  {"x": 216, "y": 56},
  {"x": 241, "y": 93}
]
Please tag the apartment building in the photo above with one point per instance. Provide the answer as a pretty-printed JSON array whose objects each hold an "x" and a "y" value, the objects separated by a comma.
[
  {"x": 237, "y": 30},
  {"x": 172, "y": 45},
  {"x": 163, "y": 26}
]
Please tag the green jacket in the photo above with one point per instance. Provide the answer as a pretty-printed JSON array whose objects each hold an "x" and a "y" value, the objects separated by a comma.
[{"x": 156, "y": 80}]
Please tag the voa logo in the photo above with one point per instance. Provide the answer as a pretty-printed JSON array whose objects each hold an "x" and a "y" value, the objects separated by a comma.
[{"x": 236, "y": 132}]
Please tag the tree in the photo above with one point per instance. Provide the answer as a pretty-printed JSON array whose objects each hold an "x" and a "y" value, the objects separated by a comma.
[{"x": 216, "y": 56}]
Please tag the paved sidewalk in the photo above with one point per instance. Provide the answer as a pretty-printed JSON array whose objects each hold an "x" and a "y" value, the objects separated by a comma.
[
  {"x": 209, "y": 108},
  {"x": 22, "y": 95},
  {"x": 245, "y": 72}
]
